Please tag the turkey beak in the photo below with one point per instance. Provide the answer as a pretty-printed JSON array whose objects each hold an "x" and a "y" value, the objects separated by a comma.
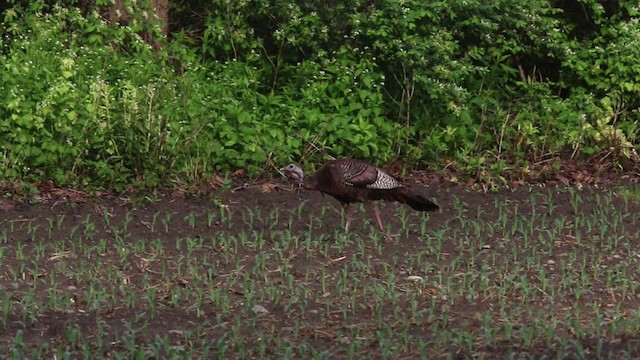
[
  {"x": 284, "y": 172},
  {"x": 290, "y": 174}
]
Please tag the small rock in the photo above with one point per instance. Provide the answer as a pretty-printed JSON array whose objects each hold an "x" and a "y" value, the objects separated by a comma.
[
  {"x": 259, "y": 309},
  {"x": 551, "y": 262},
  {"x": 415, "y": 278}
]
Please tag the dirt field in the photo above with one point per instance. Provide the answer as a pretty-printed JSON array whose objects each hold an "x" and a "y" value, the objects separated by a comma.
[{"x": 529, "y": 272}]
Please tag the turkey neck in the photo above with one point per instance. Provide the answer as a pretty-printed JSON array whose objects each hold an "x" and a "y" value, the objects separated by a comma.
[{"x": 310, "y": 183}]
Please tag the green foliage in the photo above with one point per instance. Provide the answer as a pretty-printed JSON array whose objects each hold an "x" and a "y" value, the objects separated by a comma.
[
  {"x": 341, "y": 106},
  {"x": 89, "y": 110},
  {"x": 484, "y": 86},
  {"x": 606, "y": 63}
]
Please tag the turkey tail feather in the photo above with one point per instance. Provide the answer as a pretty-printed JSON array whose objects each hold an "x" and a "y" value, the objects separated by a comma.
[{"x": 417, "y": 201}]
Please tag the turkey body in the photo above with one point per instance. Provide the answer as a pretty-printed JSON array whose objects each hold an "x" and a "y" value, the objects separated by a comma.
[{"x": 351, "y": 180}]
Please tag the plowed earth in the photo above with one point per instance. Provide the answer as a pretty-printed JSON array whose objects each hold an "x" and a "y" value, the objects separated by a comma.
[{"x": 531, "y": 271}]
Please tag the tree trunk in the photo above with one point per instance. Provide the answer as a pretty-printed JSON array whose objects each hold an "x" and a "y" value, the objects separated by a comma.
[
  {"x": 118, "y": 13},
  {"x": 162, "y": 13},
  {"x": 161, "y": 8}
]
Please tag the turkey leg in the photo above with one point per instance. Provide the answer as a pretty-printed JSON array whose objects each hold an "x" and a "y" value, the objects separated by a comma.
[
  {"x": 375, "y": 210},
  {"x": 347, "y": 215}
]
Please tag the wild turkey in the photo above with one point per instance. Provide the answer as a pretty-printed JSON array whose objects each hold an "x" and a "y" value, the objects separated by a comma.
[{"x": 351, "y": 180}]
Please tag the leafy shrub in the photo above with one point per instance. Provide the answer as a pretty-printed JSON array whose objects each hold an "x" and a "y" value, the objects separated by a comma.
[
  {"x": 485, "y": 86},
  {"x": 341, "y": 106},
  {"x": 88, "y": 111}
]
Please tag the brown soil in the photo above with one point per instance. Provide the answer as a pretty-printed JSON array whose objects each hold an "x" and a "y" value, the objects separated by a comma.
[{"x": 49, "y": 326}]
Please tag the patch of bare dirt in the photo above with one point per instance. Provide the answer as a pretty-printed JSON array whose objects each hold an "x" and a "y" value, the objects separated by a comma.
[{"x": 141, "y": 214}]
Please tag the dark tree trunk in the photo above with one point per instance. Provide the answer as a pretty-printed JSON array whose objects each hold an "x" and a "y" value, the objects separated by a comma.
[
  {"x": 162, "y": 13},
  {"x": 118, "y": 13}
]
